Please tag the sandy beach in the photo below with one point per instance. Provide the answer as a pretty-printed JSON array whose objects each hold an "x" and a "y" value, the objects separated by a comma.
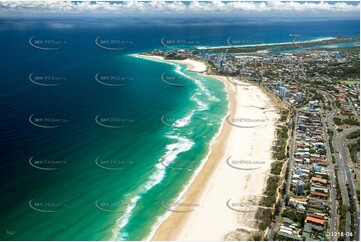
[
  {"x": 231, "y": 182},
  {"x": 192, "y": 65}
]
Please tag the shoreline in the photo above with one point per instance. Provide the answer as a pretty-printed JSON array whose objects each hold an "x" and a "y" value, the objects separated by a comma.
[
  {"x": 203, "y": 67},
  {"x": 171, "y": 226},
  {"x": 266, "y": 44},
  {"x": 164, "y": 218},
  {"x": 207, "y": 186},
  {"x": 192, "y": 65}
]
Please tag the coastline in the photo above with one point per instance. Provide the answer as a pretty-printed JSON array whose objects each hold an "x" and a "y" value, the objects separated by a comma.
[
  {"x": 212, "y": 186},
  {"x": 192, "y": 65},
  {"x": 268, "y": 44}
]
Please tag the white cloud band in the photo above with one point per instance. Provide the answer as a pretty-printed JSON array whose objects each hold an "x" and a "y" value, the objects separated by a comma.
[{"x": 128, "y": 7}]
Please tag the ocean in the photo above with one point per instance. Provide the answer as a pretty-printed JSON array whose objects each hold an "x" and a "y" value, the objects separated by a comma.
[{"x": 95, "y": 141}]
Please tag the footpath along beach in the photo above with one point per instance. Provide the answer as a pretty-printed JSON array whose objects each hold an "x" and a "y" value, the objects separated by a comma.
[{"x": 230, "y": 184}]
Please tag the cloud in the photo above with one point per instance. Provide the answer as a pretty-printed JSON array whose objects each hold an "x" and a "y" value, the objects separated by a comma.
[{"x": 154, "y": 7}]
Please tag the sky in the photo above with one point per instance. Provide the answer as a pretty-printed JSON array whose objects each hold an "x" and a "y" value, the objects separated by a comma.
[{"x": 346, "y": 9}]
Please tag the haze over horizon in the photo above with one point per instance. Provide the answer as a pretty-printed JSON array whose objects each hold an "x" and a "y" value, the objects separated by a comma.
[{"x": 344, "y": 9}]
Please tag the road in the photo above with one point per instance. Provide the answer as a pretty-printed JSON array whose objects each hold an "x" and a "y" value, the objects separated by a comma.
[
  {"x": 344, "y": 171},
  {"x": 341, "y": 169},
  {"x": 332, "y": 223},
  {"x": 341, "y": 174},
  {"x": 349, "y": 175}
]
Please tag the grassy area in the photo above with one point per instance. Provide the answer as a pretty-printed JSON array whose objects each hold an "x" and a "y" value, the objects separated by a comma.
[
  {"x": 279, "y": 149},
  {"x": 355, "y": 134},
  {"x": 267, "y": 215},
  {"x": 284, "y": 115},
  {"x": 351, "y": 208},
  {"x": 354, "y": 148},
  {"x": 348, "y": 82},
  {"x": 338, "y": 188},
  {"x": 342, "y": 212},
  {"x": 276, "y": 168},
  {"x": 271, "y": 190},
  {"x": 279, "y": 153},
  {"x": 342, "y": 209},
  {"x": 351, "y": 121},
  {"x": 330, "y": 132},
  {"x": 330, "y": 137},
  {"x": 295, "y": 216},
  {"x": 337, "y": 121},
  {"x": 257, "y": 237},
  {"x": 348, "y": 121},
  {"x": 318, "y": 96}
]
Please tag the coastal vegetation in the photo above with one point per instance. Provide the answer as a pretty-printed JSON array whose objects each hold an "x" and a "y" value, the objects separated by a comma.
[
  {"x": 342, "y": 221},
  {"x": 353, "y": 135},
  {"x": 273, "y": 182},
  {"x": 270, "y": 193},
  {"x": 276, "y": 168},
  {"x": 173, "y": 56},
  {"x": 330, "y": 137},
  {"x": 279, "y": 148},
  {"x": 337, "y": 121},
  {"x": 354, "y": 148},
  {"x": 352, "y": 121},
  {"x": 351, "y": 209}
]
